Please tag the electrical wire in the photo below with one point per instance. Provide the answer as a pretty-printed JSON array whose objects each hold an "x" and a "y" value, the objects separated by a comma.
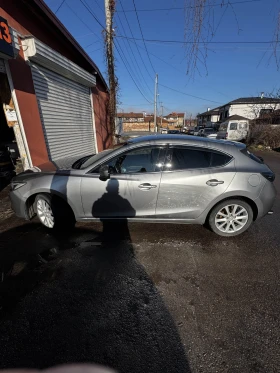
[
  {"x": 143, "y": 37},
  {"x": 202, "y": 42},
  {"x": 140, "y": 54},
  {"x": 63, "y": 1},
  {"x": 117, "y": 49},
  {"x": 135, "y": 59},
  {"x": 84, "y": 23},
  {"x": 187, "y": 94},
  {"x": 90, "y": 11},
  {"x": 191, "y": 7}
]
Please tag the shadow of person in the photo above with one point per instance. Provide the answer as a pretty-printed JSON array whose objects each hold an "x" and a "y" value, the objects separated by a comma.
[{"x": 113, "y": 211}]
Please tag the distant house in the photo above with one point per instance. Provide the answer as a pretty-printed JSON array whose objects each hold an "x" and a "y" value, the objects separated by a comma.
[
  {"x": 175, "y": 119},
  {"x": 140, "y": 122},
  {"x": 248, "y": 107},
  {"x": 209, "y": 117}
]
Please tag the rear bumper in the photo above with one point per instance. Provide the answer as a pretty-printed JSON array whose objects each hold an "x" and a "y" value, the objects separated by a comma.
[
  {"x": 266, "y": 200},
  {"x": 18, "y": 205}
]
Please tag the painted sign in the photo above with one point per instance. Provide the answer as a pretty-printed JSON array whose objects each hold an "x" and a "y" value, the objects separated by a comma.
[{"x": 6, "y": 43}]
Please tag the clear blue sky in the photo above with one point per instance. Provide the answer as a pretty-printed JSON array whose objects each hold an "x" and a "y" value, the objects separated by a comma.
[{"x": 234, "y": 70}]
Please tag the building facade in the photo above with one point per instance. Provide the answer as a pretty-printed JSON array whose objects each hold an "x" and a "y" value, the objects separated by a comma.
[
  {"x": 53, "y": 97},
  {"x": 140, "y": 122},
  {"x": 248, "y": 107}
]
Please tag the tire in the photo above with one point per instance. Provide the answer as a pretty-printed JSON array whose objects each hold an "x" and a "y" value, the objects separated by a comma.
[
  {"x": 230, "y": 217},
  {"x": 53, "y": 212}
]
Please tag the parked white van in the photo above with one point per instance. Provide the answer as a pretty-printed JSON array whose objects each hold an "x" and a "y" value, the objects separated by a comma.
[{"x": 234, "y": 128}]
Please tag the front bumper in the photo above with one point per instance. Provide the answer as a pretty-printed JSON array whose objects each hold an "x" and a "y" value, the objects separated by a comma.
[{"x": 18, "y": 205}]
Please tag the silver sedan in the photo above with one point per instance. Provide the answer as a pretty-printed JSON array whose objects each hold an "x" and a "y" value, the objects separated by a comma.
[{"x": 162, "y": 179}]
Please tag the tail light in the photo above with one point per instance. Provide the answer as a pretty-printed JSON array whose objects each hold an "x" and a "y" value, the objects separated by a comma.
[
  {"x": 226, "y": 135},
  {"x": 269, "y": 175}
]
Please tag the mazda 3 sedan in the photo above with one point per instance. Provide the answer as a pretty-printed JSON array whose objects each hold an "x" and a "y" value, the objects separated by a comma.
[{"x": 162, "y": 179}]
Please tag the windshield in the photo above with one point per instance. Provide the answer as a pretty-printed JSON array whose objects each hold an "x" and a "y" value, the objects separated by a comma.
[
  {"x": 223, "y": 127},
  {"x": 85, "y": 162}
]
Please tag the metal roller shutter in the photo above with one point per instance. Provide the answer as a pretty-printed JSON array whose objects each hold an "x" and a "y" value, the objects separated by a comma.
[{"x": 66, "y": 114}]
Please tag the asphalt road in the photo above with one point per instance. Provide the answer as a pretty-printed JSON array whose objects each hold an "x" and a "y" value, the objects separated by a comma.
[{"x": 142, "y": 298}]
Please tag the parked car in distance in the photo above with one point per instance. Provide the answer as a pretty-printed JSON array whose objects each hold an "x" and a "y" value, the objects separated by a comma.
[
  {"x": 234, "y": 130},
  {"x": 163, "y": 178},
  {"x": 173, "y": 132},
  {"x": 163, "y": 130},
  {"x": 207, "y": 132},
  {"x": 190, "y": 131},
  {"x": 196, "y": 130}
]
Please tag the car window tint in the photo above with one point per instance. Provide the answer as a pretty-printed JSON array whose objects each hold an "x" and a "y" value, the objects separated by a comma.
[
  {"x": 233, "y": 126},
  {"x": 180, "y": 158},
  {"x": 219, "y": 159},
  {"x": 146, "y": 159}
]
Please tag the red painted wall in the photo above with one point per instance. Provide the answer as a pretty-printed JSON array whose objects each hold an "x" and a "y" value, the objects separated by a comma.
[
  {"x": 100, "y": 102},
  {"x": 32, "y": 21}
]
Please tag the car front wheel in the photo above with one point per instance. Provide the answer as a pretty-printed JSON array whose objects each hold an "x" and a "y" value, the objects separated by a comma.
[
  {"x": 231, "y": 217},
  {"x": 52, "y": 212}
]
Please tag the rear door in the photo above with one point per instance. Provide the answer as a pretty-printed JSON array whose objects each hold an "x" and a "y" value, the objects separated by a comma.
[
  {"x": 191, "y": 179},
  {"x": 132, "y": 189}
]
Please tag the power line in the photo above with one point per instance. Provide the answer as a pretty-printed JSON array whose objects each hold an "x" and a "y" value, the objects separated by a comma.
[
  {"x": 187, "y": 94},
  {"x": 135, "y": 59},
  {"x": 143, "y": 36},
  {"x": 180, "y": 71},
  {"x": 63, "y": 1},
  {"x": 89, "y": 10},
  {"x": 190, "y": 7},
  {"x": 83, "y": 21},
  {"x": 140, "y": 54},
  {"x": 202, "y": 42},
  {"x": 117, "y": 48}
]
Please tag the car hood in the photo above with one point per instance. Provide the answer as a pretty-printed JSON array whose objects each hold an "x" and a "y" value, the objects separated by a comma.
[{"x": 62, "y": 164}]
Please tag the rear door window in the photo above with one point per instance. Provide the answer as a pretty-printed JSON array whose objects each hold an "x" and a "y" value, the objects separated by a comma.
[
  {"x": 219, "y": 159},
  {"x": 183, "y": 158}
]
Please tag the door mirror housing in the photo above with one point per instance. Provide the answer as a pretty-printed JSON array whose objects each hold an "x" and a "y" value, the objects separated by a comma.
[{"x": 104, "y": 173}]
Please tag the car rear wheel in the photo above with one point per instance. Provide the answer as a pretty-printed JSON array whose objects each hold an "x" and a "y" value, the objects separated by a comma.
[
  {"x": 53, "y": 212},
  {"x": 231, "y": 217}
]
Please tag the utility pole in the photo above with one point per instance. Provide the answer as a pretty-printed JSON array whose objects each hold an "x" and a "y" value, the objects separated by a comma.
[
  {"x": 109, "y": 13},
  {"x": 155, "y": 104},
  {"x": 161, "y": 115}
]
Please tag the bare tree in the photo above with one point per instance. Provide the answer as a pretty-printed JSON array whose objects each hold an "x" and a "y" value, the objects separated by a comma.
[
  {"x": 265, "y": 120},
  {"x": 201, "y": 26}
]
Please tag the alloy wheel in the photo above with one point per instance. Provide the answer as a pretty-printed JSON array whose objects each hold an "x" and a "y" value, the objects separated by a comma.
[
  {"x": 45, "y": 213},
  {"x": 231, "y": 218}
]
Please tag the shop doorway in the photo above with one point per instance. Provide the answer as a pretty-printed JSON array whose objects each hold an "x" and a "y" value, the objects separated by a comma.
[{"x": 10, "y": 160}]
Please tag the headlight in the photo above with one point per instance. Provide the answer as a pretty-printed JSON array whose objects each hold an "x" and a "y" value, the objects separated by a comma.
[{"x": 15, "y": 185}]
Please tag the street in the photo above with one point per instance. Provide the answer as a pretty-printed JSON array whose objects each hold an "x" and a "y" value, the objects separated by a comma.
[{"x": 163, "y": 298}]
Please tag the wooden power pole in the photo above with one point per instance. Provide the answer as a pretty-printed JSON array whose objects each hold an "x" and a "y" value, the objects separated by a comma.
[
  {"x": 155, "y": 104},
  {"x": 109, "y": 13}
]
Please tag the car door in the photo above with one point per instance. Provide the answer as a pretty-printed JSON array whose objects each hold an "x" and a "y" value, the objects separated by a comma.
[
  {"x": 191, "y": 179},
  {"x": 132, "y": 189}
]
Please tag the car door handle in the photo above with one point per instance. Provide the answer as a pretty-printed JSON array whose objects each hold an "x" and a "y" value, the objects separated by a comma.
[
  {"x": 146, "y": 186},
  {"x": 214, "y": 182}
]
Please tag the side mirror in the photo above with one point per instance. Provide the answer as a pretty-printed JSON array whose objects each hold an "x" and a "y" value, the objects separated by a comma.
[{"x": 104, "y": 173}]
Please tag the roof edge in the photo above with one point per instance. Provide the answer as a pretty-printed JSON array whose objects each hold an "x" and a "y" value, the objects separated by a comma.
[{"x": 49, "y": 13}]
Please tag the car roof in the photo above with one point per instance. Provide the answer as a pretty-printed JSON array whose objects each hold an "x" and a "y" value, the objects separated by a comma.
[{"x": 186, "y": 140}]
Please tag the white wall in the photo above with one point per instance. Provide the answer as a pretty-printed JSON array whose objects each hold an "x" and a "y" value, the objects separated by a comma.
[{"x": 250, "y": 111}]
